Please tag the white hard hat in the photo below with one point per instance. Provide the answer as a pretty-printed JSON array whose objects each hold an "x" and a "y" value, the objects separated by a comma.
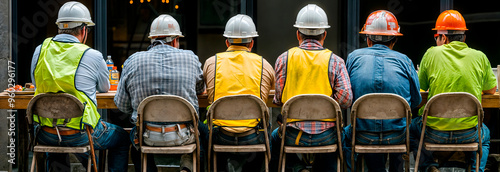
[
  {"x": 165, "y": 25},
  {"x": 240, "y": 29},
  {"x": 311, "y": 20},
  {"x": 73, "y": 14}
]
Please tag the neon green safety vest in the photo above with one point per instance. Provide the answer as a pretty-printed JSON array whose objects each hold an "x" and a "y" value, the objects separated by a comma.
[{"x": 55, "y": 72}]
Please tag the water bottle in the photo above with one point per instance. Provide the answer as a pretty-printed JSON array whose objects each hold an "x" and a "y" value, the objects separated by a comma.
[
  {"x": 114, "y": 77},
  {"x": 109, "y": 63}
]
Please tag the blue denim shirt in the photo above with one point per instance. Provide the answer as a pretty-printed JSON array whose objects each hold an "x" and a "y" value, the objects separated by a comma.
[{"x": 378, "y": 69}]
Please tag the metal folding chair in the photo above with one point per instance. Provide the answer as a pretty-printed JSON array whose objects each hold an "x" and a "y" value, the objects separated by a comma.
[
  {"x": 452, "y": 105},
  {"x": 238, "y": 107},
  {"x": 381, "y": 106},
  {"x": 168, "y": 108},
  {"x": 59, "y": 106},
  {"x": 311, "y": 107}
]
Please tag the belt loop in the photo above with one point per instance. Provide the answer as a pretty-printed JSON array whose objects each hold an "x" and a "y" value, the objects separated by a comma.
[{"x": 162, "y": 129}]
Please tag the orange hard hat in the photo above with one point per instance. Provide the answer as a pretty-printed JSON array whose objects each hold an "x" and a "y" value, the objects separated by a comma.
[
  {"x": 450, "y": 20},
  {"x": 381, "y": 22}
]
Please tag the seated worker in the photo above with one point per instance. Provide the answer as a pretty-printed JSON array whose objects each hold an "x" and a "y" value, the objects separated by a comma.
[
  {"x": 379, "y": 69},
  {"x": 452, "y": 66},
  {"x": 65, "y": 64},
  {"x": 325, "y": 74},
  {"x": 162, "y": 69},
  {"x": 233, "y": 72}
]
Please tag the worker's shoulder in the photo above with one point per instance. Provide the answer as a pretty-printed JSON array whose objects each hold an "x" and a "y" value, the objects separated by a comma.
[{"x": 93, "y": 54}]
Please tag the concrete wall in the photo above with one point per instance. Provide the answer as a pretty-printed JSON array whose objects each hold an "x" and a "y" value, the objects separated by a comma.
[{"x": 4, "y": 58}]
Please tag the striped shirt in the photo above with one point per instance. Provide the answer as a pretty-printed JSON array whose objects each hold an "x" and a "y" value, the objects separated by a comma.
[
  {"x": 162, "y": 69},
  {"x": 339, "y": 79}
]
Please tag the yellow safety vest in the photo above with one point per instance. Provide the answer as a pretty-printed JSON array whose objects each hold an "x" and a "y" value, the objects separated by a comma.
[
  {"x": 237, "y": 71},
  {"x": 55, "y": 72},
  {"x": 307, "y": 73}
]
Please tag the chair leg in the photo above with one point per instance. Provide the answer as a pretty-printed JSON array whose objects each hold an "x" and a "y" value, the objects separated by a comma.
[
  {"x": 195, "y": 165},
  {"x": 283, "y": 162},
  {"x": 144, "y": 162},
  {"x": 266, "y": 163},
  {"x": 215, "y": 161},
  {"x": 363, "y": 164},
  {"x": 478, "y": 161},
  {"x": 338, "y": 164},
  {"x": 407, "y": 163},
  {"x": 89, "y": 163},
  {"x": 33, "y": 162}
]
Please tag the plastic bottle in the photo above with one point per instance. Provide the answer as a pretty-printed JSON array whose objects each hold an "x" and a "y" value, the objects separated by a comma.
[
  {"x": 109, "y": 63},
  {"x": 114, "y": 77}
]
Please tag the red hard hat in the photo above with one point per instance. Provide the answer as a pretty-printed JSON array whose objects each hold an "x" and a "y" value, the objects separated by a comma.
[{"x": 381, "y": 22}]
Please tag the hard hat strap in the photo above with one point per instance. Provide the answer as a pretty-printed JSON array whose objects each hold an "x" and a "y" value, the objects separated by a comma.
[
  {"x": 239, "y": 40},
  {"x": 69, "y": 25},
  {"x": 380, "y": 38},
  {"x": 311, "y": 32},
  {"x": 451, "y": 32}
]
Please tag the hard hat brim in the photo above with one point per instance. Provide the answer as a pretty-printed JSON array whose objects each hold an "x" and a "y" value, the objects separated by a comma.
[{"x": 151, "y": 36}]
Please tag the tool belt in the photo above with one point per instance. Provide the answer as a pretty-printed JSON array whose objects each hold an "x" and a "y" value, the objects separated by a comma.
[
  {"x": 165, "y": 129},
  {"x": 246, "y": 133},
  {"x": 62, "y": 131}
]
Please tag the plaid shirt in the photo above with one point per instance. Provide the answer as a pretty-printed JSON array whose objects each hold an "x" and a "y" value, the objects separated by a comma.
[
  {"x": 339, "y": 81},
  {"x": 162, "y": 69}
]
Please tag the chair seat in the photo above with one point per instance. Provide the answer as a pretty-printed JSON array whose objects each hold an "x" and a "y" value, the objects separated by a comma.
[
  {"x": 451, "y": 147},
  {"x": 61, "y": 149},
  {"x": 380, "y": 148},
  {"x": 313, "y": 149},
  {"x": 169, "y": 150},
  {"x": 240, "y": 148}
]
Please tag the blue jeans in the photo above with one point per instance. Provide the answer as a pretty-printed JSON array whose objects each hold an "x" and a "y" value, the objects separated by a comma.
[
  {"x": 322, "y": 162},
  {"x": 112, "y": 137},
  {"x": 436, "y": 136},
  {"x": 242, "y": 161},
  {"x": 375, "y": 162},
  {"x": 136, "y": 154}
]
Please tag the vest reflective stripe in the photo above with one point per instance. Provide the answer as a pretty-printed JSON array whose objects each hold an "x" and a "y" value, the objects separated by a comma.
[
  {"x": 55, "y": 72},
  {"x": 307, "y": 73},
  {"x": 237, "y": 72}
]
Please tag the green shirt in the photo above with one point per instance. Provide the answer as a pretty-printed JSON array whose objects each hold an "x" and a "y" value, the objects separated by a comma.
[{"x": 454, "y": 67}]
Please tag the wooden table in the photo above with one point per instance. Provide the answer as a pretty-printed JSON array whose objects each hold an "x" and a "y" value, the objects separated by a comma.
[{"x": 105, "y": 100}]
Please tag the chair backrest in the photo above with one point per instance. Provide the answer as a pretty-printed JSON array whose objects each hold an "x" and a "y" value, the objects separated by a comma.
[
  {"x": 166, "y": 108},
  {"x": 311, "y": 107},
  {"x": 55, "y": 105},
  {"x": 238, "y": 107},
  {"x": 453, "y": 105},
  {"x": 380, "y": 106}
]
